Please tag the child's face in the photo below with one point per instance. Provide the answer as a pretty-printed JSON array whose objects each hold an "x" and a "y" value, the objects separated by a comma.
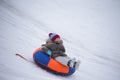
[{"x": 57, "y": 40}]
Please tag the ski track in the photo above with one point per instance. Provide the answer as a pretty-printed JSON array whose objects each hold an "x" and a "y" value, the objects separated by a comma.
[{"x": 90, "y": 31}]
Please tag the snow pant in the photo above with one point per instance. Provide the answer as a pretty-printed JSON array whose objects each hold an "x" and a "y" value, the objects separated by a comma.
[{"x": 63, "y": 59}]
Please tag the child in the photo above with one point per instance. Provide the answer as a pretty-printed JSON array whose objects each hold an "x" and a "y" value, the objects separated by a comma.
[{"x": 54, "y": 48}]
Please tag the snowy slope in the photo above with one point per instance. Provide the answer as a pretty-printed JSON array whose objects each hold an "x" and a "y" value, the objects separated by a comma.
[{"x": 89, "y": 28}]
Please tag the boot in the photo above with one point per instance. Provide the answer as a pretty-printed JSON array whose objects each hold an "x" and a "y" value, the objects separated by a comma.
[
  {"x": 70, "y": 63},
  {"x": 76, "y": 64}
]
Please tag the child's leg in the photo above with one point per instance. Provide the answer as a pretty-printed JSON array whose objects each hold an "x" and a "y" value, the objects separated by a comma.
[
  {"x": 63, "y": 60},
  {"x": 68, "y": 61}
]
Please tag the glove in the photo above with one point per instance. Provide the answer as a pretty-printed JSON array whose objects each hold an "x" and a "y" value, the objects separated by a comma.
[{"x": 49, "y": 52}]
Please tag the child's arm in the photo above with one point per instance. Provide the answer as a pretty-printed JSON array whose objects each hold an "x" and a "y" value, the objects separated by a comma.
[{"x": 46, "y": 50}]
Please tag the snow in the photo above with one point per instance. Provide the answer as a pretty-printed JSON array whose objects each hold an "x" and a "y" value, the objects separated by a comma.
[{"x": 89, "y": 28}]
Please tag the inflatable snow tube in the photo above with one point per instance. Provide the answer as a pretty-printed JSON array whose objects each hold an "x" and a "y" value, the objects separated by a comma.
[{"x": 50, "y": 64}]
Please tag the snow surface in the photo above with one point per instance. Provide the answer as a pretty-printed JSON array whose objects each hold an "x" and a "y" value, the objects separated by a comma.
[{"x": 90, "y": 30}]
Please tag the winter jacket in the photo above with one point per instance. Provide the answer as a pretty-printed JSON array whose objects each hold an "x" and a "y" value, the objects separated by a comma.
[{"x": 57, "y": 49}]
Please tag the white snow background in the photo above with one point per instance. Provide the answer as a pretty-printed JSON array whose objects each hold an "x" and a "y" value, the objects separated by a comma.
[{"x": 90, "y": 30}]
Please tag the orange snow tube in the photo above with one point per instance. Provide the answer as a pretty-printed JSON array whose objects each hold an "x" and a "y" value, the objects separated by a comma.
[{"x": 50, "y": 64}]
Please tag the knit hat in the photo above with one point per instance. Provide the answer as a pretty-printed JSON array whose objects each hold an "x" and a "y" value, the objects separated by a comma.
[{"x": 53, "y": 36}]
